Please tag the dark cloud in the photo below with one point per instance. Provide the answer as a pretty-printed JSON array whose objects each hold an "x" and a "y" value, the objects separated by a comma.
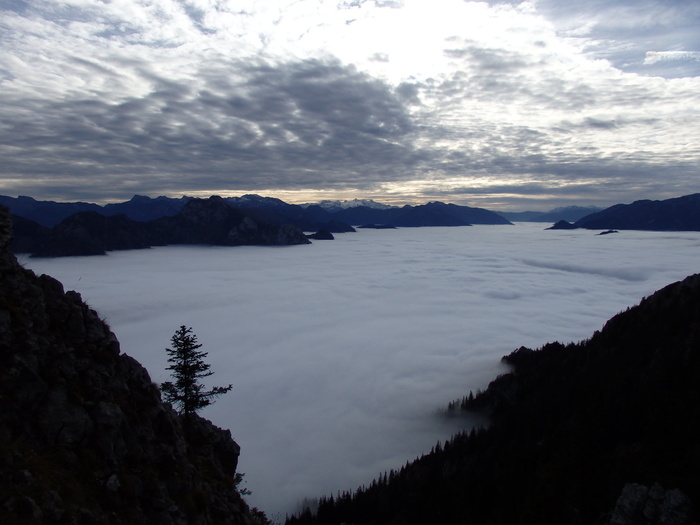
[{"x": 248, "y": 125}]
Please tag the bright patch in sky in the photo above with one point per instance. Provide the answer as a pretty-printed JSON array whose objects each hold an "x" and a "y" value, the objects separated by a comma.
[{"x": 342, "y": 352}]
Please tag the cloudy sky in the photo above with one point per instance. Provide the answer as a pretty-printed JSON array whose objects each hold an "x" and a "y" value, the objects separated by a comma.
[{"x": 499, "y": 104}]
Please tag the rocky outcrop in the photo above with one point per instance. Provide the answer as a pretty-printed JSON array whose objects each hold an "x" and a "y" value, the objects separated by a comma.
[
  {"x": 321, "y": 235},
  {"x": 562, "y": 225},
  {"x": 84, "y": 435},
  {"x": 641, "y": 505}
]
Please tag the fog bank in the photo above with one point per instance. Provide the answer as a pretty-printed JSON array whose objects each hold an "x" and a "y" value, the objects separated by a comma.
[{"x": 341, "y": 352}]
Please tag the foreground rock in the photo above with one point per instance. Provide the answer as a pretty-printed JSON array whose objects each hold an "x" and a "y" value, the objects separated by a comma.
[{"x": 84, "y": 436}]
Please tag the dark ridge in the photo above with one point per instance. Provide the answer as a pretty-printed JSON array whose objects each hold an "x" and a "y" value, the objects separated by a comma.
[
  {"x": 562, "y": 225},
  {"x": 601, "y": 431},
  {"x": 321, "y": 235},
  {"x": 566, "y": 213},
  {"x": 90, "y": 233},
  {"x": 378, "y": 226},
  {"x": 84, "y": 435},
  {"x": 46, "y": 213},
  {"x": 679, "y": 214},
  {"x": 200, "y": 221}
]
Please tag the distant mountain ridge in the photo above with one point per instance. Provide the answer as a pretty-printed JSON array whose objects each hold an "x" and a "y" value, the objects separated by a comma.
[
  {"x": 200, "y": 221},
  {"x": 566, "y": 213},
  {"x": 677, "y": 214},
  {"x": 270, "y": 210},
  {"x": 333, "y": 206},
  {"x": 51, "y": 213}
]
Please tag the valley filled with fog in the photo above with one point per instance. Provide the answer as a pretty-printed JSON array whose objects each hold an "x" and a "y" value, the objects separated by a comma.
[{"x": 341, "y": 353}]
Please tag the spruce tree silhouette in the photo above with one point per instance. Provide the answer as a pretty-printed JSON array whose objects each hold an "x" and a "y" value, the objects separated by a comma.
[{"x": 188, "y": 367}]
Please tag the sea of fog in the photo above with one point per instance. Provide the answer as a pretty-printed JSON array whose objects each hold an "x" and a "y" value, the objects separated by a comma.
[{"x": 342, "y": 353}]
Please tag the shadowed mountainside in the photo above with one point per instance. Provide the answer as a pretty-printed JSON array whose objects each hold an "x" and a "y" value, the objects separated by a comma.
[
  {"x": 679, "y": 214},
  {"x": 431, "y": 214},
  {"x": 597, "y": 432},
  {"x": 266, "y": 209},
  {"x": 566, "y": 213},
  {"x": 84, "y": 436},
  {"x": 200, "y": 221}
]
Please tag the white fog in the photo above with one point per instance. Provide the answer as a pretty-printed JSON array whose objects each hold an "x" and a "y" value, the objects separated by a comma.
[{"x": 341, "y": 353}]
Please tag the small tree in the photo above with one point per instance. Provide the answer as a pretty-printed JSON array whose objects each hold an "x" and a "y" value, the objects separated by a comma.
[{"x": 188, "y": 366}]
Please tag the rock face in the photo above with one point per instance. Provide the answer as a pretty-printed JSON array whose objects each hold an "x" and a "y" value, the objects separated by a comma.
[
  {"x": 562, "y": 225},
  {"x": 84, "y": 436},
  {"x": 641, "y": 505}
]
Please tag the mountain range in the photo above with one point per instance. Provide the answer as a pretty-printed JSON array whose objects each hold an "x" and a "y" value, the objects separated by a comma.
[
  {"x": 209, "y": 221},
  {"x": 51, "y": 229},
  {"x": 47, "y": 228},
  {"x": 334, "y": 217},
  {"x": 677, "y": 214}
]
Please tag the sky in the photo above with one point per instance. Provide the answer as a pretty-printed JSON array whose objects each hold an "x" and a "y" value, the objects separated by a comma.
[
  {"x": 502, "y": 104},
  {"x": 342, "y": 353}
]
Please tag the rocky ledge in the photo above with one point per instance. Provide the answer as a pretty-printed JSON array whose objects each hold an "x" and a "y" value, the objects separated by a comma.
[{"x": 84, "y": 435}]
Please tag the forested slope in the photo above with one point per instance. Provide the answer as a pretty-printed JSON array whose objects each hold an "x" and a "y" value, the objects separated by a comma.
[{"x": 602, "y": 431}]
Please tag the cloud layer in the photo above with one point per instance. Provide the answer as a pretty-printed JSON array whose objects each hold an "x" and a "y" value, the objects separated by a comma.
[
  {"x": 342, "y": 352},
  {"x": 490, "y": 104}
]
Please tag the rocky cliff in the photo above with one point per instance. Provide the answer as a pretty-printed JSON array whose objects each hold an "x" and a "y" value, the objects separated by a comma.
[{"x": 84, "y": 436}]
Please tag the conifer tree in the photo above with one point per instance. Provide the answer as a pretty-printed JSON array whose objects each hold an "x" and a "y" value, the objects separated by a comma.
[{"x": 188, "y": 367}]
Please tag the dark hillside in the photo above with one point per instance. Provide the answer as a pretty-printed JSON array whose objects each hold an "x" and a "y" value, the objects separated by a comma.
[
  {"x": 431, "y": 214},
  {"x": 679, "y": 214},
  {"x": 84, "y": 436},
  {"x": 90, "y": 233},
  {"x": 213, "y": 221},
  {"x": 603, "y": 431},
  {"x": 46, "y": 213},
  {"x": 200, "y": 221},
  {"x": 144, "y": 209}
]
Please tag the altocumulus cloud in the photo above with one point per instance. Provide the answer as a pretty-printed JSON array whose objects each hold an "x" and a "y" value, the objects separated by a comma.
[{"x": 394, "y": 100}]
